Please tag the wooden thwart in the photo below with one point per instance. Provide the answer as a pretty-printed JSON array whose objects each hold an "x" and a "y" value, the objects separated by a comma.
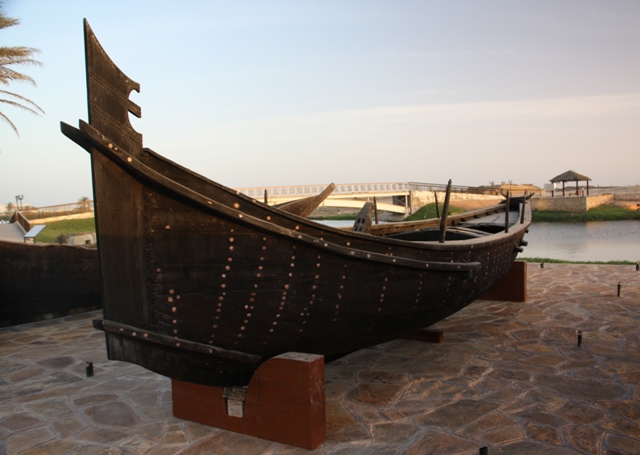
[{"x": 284, "y": 402}]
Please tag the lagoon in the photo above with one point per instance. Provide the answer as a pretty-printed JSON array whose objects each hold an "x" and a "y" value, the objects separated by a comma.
[{"x": 590, "y": 241}]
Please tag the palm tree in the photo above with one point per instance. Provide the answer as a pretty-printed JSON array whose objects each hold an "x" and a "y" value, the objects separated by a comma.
[
  {"x": 84, "y": 203},
  {"x": 12, "y": 56}
]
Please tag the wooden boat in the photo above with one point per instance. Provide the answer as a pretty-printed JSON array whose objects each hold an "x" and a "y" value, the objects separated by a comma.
[
  {"x": 39, "y": 282},
  {"x": 202, "y": 284},
  {"x": 306, "y": 206}
]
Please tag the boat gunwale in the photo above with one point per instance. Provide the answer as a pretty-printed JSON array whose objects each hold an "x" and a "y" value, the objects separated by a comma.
[
  {"x": 83, "y": 140},
  {"x": 407, "y": 225},
  {"x": 483, "y": 241},
  {"x": 126, "y": 160}
]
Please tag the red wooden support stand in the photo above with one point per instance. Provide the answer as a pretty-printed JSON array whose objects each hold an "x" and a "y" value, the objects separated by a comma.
[
  {"x": 512, "y": 286},
  {"x": 284, "y": 402}
]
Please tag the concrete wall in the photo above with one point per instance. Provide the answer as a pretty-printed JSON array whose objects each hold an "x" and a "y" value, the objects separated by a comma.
[
  {"x": 627, "y": 196},
  {"x": 595, "y": 201},
  {"x": 570, "y": 203},
  {"x": 421, "y": 198}
]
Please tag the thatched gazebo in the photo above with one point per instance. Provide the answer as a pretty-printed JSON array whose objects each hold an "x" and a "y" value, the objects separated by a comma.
[{"x": 571, "y": 176}]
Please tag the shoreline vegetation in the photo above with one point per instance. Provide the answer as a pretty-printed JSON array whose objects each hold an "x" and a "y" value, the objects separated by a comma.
[
  {"x": 601, "y": 213},
  {"x": 562, "y": 261},
  {"x": 66, "y": 227}
]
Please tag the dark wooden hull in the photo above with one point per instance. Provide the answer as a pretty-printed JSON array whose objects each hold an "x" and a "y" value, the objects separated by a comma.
[
  {"x": 202, "y": 284},
  {"x": 39, "y": 282}
]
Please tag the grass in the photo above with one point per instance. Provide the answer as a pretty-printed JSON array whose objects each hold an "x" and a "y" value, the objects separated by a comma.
[
  {"x": 71, "y": 227},
  {"x": 429, "y": 211},
  {"x": 346, "y": 216},
  {"x": 561, "y": 261},
  {"x": 601, "y": 213}
]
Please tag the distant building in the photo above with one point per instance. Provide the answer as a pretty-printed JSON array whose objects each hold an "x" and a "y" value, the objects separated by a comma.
[{"x": 516, "y": 189}]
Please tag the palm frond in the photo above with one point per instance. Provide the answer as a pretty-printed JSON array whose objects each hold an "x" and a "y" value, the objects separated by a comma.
[
  {"x": 34, "y": 109},
  {"x": 15, "y": 55},
  {"x": 6, "y": 22},
  {"x": 17, "y": 52},
  {"x": 6, "y": 119},
  {"x": 7, "y": 75}
]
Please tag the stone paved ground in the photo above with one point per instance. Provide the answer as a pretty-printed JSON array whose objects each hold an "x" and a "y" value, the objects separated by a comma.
[{"x": 509, "y": 377}]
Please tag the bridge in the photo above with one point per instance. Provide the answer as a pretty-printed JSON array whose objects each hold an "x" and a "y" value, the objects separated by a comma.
[{"x": 390, "y": 196}]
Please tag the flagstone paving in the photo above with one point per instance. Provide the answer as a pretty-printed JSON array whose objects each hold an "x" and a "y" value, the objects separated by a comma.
[{"x": 508, "y": 376}]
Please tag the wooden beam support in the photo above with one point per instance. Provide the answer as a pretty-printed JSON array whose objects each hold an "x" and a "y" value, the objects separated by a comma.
[{"x": 512, "y": 287}]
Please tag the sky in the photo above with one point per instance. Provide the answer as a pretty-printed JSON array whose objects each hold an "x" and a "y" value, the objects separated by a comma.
[{"x": 268, "y": 93}]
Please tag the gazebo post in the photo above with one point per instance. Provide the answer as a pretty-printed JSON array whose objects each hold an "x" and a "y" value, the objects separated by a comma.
[
  {"x": 587, "y": 187},
  {"x": 577, "y": 188},
  {"x": 563, "y": 188}
]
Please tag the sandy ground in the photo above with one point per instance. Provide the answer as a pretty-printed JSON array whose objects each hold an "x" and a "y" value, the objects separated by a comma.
[{"x": 472, "y": 204}]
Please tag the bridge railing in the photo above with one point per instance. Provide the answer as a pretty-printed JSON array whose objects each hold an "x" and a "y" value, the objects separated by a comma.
[
  {"x": 35, "y": 213},
  {"x": 368, "y": 188},
  {"x": 300, "y": 191},
  {"x": 416, "y": 186}
]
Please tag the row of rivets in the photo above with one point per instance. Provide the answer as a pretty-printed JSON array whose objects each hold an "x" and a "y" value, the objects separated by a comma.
[
  {"x": 283, "y": 297},
  {"x": 305, "y": 311},
  {"x": 384, "y": 288},
  {"x": 173, "y": 309},
  {"x": 419, "y": 291},
  {"x": 133, "y": 333},
  {"x": 252, "y": 297},
  {"x": 223, "y": 286},
  {"x": 339, "y": 296},
  {"x": 415, "y": 305},
  {"x": 172, "y": 299}
]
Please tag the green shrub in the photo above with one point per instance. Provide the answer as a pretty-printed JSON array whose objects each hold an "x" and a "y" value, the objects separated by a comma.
[
  {"x": 601, "y": 213},
  {"x": 429, "y": 211},
  {"x": 70, "y": 227},
  {"x": 562, "y": 261},
  {"x": 345, "y": 216}
]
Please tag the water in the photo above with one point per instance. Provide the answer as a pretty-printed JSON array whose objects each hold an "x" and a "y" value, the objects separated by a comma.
[
  {"x": 591, "y": 241},
  {"x": 338, "y": 223}
]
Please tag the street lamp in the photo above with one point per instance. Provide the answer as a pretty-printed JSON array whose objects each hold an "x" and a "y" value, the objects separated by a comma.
[{"x": 19, "y": 199}]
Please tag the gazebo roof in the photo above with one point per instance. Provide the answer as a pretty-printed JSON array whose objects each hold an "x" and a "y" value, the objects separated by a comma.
[{"x": 569, "y": 176}]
